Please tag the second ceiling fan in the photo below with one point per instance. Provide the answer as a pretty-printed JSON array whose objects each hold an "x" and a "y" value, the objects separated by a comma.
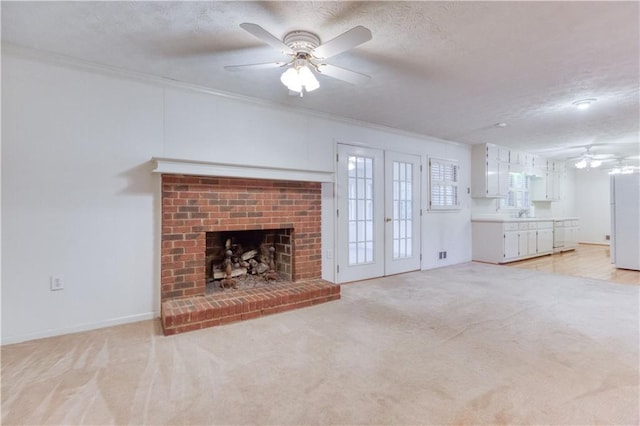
[{"x": 308, "y": 55}]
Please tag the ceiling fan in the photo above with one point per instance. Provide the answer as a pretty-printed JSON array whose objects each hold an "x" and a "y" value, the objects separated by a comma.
[
  {"x": 625, "y": 165},
  {"x": 307, "y": 55},
  {"x": 589, "y": 160}
]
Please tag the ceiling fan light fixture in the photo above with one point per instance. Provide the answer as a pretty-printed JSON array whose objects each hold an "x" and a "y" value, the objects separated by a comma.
[
  {"x": 626, "y": 170},
  {"x": 583, "y": 104},
  {"x": 307, "y": 79},
  {"x": 595, "y": 163},
  {"x": 298, "y": 78},
  {"x": 291, "y": 79},
  {"x": 581, "y": 164}
]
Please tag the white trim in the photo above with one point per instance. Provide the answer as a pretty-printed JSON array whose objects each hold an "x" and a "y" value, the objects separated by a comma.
[
  {"x": 78, "y": 328},
  {"x": 176, "y": 166}
]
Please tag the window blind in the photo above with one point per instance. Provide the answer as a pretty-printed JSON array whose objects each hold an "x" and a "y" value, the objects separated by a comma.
[{"x": 444, "y": 176}]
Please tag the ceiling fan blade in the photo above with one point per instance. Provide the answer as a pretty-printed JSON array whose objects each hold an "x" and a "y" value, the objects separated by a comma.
[
  {"x": 248, "y": 67},
  {"x": 267, "y": 37},
  {"x": 343, "y": 74},
  {"x": 345, "y": 41}
]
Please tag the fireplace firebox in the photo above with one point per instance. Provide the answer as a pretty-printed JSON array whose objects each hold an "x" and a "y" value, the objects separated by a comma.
[{"x": 256, "y": 256}]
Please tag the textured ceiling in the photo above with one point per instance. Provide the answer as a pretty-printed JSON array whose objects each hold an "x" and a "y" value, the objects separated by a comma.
[{"x": 447, "y": 69}]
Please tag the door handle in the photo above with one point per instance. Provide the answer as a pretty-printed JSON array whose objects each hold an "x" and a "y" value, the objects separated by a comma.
[{"x": 387, "y": 219}]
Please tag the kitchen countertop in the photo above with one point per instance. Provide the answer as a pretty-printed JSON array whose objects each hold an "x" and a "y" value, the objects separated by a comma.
[{"x": 518, "y": 219}]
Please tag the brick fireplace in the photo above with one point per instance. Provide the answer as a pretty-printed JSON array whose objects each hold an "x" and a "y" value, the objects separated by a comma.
[{"x": 194, "y": 207}]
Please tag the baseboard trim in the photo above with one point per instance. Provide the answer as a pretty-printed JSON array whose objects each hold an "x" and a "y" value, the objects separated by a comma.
[
  {"x": 594, "y": 244},
  {"x": 78, "y": 328}
]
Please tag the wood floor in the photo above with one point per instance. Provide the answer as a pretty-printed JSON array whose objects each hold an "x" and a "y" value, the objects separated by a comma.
[{"x": 588, "y": 260}]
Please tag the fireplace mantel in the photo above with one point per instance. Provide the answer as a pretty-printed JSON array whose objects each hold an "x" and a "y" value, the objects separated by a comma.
[{"x": 176, "y": 166}]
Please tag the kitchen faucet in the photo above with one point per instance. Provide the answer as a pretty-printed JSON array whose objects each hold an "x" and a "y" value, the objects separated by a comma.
[{"x": 523, "y": 212}]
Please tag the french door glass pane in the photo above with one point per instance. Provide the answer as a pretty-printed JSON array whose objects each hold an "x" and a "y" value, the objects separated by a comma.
[
  {"x": 402, "y": 205},
  {"x": 360, "y": 175}
]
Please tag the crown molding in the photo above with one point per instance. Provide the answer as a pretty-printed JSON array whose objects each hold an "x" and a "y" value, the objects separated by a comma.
[{"x": 80, "y": 64}]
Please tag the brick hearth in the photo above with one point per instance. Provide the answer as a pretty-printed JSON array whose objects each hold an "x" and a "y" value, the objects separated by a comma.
[
  {"x": 187, "y": 314},
  {"x": 193, "y": 206}
]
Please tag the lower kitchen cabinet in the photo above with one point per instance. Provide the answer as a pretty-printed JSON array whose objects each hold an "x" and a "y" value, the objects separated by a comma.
[
  {"x": 565, "y": 234},
  {"x": 545, "y": 240},
  {"x": 502, "y": 242},
  {"x": 511, "y": 249}
]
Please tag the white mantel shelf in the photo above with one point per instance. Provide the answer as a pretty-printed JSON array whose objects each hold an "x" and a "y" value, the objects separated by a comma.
[{"x": 176, "y": 166}]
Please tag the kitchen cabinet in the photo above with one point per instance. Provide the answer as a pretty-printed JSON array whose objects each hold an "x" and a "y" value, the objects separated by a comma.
[
  {"x": 548, "y": 187},
  {"x": 511, "y": 247},
  {"x": 565, "y": 234},
  {"x": 489, "y": 171},
  {"x": 545, "y": 239},
  {"x": 523, "y": 239},
  {"x": 517, "y": 161},
  {"x": 491, "y": 165},
  {"x": 521, "y": 162},
  {"x": 538, "y": 166},
  {"x": 532, "y": 238},
  {"x": 507, "y": 241}
]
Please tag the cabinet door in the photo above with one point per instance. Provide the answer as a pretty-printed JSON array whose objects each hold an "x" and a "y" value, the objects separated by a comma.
[
  {"x": 493, "y": 176},
  {"x": 497, "y": 178},
  {"x": 539, "y": 166},
  {"x": 557, "y": 186},
  {"x": 532, "y": 241},
  {"x": 545, "y": 240},
  {"x": 511, "y": 245},
  {"x": 551, "y": 186},
  {"x": 523, "y": 243},
  {"x": 570, "y": 236},
  {"x": 503, "y": 179}
]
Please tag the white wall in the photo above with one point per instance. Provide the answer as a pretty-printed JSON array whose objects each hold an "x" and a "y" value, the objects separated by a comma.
[
  {"x": 79, "y": 200},
  {"x": 592, "y": 205}
]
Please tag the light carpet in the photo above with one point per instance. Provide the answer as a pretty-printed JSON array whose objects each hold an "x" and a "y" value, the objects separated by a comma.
[{"x": 467, "y": 344}]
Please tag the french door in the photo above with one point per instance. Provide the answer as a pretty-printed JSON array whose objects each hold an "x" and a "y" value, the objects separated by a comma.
[{"x": 378, "y": 213}]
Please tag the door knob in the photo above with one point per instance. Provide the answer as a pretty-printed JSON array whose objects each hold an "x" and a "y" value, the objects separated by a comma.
[{"x": 387, "y": 219}]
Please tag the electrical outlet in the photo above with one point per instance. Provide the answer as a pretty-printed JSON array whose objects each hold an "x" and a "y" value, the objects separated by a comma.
[
  {"x": 607, "y": 237},
  {"x": 56, "y": 283}
]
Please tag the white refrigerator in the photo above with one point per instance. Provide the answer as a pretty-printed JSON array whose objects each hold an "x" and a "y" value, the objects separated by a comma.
[{"x": 625, "y": 221}]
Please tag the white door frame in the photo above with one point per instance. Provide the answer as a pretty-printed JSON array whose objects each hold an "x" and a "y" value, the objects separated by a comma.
[
  {"x": 364, "y": 186},
  {"x": 382, "y": 262},
  {"x": 402, "y": 212}
]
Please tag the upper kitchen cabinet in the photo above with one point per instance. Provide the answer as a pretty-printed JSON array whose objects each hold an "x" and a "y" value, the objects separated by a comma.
[
  {"x": 491, "y": 165},
  {"x": 548, "y": 186},
  {"x": 489, "y": 171},
  {"x": 520, "y": 162},
  {"x": 538, "y": 166}
]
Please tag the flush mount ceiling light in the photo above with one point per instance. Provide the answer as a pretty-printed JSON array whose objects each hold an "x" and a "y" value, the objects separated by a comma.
[
  {"x": 583, "y": 104},
  {"x": 307, "y": 55}
]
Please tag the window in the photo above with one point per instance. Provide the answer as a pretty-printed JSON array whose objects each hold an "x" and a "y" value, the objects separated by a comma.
[
  {"x": 518, "y": 196},
  {"x": 360, "y": 210},
  {"x": 444, "y": 176}
]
